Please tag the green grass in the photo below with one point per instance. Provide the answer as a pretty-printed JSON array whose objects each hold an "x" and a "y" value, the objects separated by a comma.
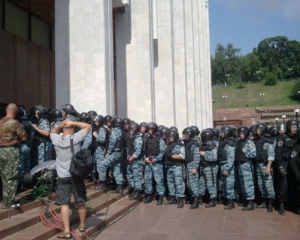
[{"x": 250, "y": 95}]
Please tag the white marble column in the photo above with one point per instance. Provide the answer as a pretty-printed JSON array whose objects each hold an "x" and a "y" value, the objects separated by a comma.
[{"x": 84, "y": 55}]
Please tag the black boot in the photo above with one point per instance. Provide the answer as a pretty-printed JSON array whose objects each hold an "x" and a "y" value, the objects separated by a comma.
[
  {"x": 195, "y": 203},
  {"x": 94, "y": 178},
  {"x": 148, "y": 199},
  {"x": 188, "y": 200},
  {"x": 180, "y": 203},
  {"x": 200, "y": 200},
  {"x": 241, "y": 202},
  {"x": 135, "y": 196},
  {"x": 160, "y": 200},
  {"x": 230, "y": 204},
  {"x": 281, "y": 209},
  {"x": 212, "y": 203},
  {"x": 119, "y": 189},
  {"x": 270, "y": 205},
  {"x": 131, "y": 191},
  {"x": 172, "y": 200},
  {"x": 101, "y": 186},
  {"x": 250, "y": 206},
  {"x": 263, "y": 204}
]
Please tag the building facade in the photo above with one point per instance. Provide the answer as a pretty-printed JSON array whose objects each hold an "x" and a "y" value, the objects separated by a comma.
[{"x": 148, "y": 60}]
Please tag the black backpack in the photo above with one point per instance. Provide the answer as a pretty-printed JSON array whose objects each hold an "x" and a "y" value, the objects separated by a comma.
[{"x": 82, "y": 164}]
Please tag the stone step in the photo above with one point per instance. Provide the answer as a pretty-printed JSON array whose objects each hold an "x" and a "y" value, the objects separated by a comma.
[
  {"x": 35, "y": 229},
  {"x": 99, "y": 220},
  {"x": 27, "y": 205}
]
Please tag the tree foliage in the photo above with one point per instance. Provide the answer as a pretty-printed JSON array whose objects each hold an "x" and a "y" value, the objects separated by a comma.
[
  {"x": 270, "y": 79},
  {"x": 295, "y": 90},
  {"x": 277, "y": 55}
]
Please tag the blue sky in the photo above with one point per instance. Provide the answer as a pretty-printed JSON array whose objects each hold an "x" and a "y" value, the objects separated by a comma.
[{"x": 246, "y": 22}]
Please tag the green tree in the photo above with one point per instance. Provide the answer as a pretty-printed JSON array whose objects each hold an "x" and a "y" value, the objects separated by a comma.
[
  {"x": 227, "y": 60},
  {"x": 270, "y": 79},
  {"x": 251, "y": 70},
  {"x": 295, "y": 91}
]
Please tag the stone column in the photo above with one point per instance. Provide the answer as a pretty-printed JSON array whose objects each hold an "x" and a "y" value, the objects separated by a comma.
[{"x": 84, "y": 55}]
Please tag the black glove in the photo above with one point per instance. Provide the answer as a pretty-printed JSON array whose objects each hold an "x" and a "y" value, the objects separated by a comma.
[{"x": 282, "y": 171}]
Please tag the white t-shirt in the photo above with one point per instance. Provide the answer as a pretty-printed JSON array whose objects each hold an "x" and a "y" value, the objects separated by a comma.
[{"x": 62, "y": 147}]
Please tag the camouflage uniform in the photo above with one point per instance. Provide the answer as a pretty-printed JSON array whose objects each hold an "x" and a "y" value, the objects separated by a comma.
[
  {"x": 155, "y": 170},
  {"x": 208, "y": 171},
  {"x": 175, "y": 176},
  {"x": 264, "y": 153},
  {"x": 226, "y": 164},
  {"x": 245, "y": 151},
  {"x": 134, "y": 169},
  {"x": 114, "y": 158},
  {"x": 25, "y": 148},
  {"x": 99, "y": 154},
  {"x": 87, "y": 141},
  {"x": 192, "y": 160},
  {"x": 10, "y": 133},
  {"x": 43, "y": 147}
]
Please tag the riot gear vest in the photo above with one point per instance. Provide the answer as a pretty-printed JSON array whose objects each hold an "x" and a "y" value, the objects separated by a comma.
[
  {"x": 120, "y": 143},
  {"x": 222, "y": 156},
  {"x": 94, "y": 140},
  {"x": 152, "y": 146},
  {"x": 38, "y": 137},
  {"x": 189, "y": 153},
  {"x": 239, "y": 154},
  {"x": 131, "y": 149},
  {"x": 205, "y": 147},
  {"x": 288, "y": 145},
  {"x": 169, "y": 149},
  {"x": 127, "y": 137},
  {"x": 261, "y": 153}
]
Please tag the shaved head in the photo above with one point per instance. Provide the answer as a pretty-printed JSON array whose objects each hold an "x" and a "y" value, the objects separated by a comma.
[{"x": 11, "y": 109}]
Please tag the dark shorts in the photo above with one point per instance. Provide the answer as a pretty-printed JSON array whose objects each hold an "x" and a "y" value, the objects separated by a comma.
[{"x": 68, "y": 186}]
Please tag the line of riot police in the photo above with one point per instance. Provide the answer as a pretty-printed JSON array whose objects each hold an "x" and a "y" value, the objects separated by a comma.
[{"x": 254, "y": 166}]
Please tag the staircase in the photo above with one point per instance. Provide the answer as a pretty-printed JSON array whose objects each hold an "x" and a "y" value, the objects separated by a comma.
[
  {"x": 25, "y": 223},
  {"x": 269, "y": 114}
]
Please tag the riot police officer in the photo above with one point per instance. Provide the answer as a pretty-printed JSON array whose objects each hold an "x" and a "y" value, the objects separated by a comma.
[
  {"x": 285, "y": 143},
  {"x": 226, "y": 159}
]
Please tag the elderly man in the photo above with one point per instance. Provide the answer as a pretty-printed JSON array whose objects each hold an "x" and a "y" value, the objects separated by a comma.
[
  {"x": 11, "y": 133},
  {"x": 68, "y": 185}
]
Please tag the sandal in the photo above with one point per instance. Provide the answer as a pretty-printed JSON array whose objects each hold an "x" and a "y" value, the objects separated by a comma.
[
  {"x": 82, "y": 229},
  {"x": 64, "y": 235}
]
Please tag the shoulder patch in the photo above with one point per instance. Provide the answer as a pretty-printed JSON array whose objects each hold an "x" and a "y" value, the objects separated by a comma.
[
  {"x": 293, "y": 154},
  {"x": 280, "y": 143}
]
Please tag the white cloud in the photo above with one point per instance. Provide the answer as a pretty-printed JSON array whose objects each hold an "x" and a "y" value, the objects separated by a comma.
[{"x": 289, "y": 9}]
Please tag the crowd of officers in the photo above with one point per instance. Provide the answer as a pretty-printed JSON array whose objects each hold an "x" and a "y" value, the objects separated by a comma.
[{"x": 256, "y": 167}]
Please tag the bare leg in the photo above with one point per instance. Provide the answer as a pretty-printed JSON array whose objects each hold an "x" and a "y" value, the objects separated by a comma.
[
  {"x": 82, "y": 214},
  {"x": 65, "y": 214}
]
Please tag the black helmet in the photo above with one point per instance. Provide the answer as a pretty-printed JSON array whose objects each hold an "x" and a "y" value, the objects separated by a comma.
[
  {"x": 69, "y": 109},
  {"x": 228, "y": 131},
  {"x": 55, "y": 115},
  {"x": 212, "y": 130},
  {"x": 190, "y": 131},
  {"x": 243, "y": 129},
  {"x": 174, "y": 134},
  {"x": 273, "y": 132},
  {"x": 100, "y": 119},
  {"x": 165, "y": 130},
  {"x": 217, "y": 132},
  {"x": 92, "y": 113},
  {"x": 184, "y": 130},
  {"x": 145, "y": 125},
  {"x": 174, "y": 128},
  {"x": 21, "y": 114},
  {"x": 252, "y": 129},
  {"x": 160, "y": 127},
  {"x": 153, "y": 126},
  {"x": 281, "y": 127},
  {"x": 126, "y": 121},
  {"x": 107, "y": 118},
  {"x": 207, "y": 136},
  {"x": 290, "y": 123},
  {"x": 117, "y": 122},
  {"x": 196, "y": 130},
  {"x": 84, "y": 117},
  {"x": 43, "y": 113},
  {"x": 134, "y": 127},
  {"x": 263, "y": 128}
]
